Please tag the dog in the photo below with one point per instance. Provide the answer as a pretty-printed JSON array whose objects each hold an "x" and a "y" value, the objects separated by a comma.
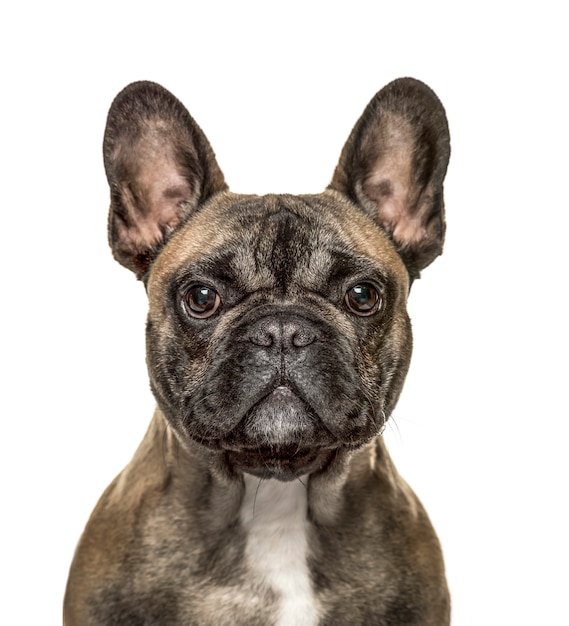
[{"x": 278, "y": 342}]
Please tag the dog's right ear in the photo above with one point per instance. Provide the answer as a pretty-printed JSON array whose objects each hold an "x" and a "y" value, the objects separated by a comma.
[{"x": 160, "y": 168}]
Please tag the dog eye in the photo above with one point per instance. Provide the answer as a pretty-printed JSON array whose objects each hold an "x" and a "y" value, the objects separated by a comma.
[
  {"x": 363, "y": 299},
  {"x": 201, "y": 301}
]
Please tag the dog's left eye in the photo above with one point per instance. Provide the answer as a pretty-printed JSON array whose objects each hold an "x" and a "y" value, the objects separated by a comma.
[
  {"x": 363, "y": 299},
  {"x": 201, "y": 301}
]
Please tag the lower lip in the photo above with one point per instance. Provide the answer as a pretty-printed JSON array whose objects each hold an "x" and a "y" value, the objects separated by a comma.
[{"x": 277, "y": 461}]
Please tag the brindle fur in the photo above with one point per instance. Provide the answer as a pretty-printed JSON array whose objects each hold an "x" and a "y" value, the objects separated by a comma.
[{"x": 165, "y": 544}]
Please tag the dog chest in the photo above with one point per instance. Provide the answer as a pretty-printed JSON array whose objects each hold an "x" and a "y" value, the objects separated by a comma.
[{"x": 273, "y": 515}]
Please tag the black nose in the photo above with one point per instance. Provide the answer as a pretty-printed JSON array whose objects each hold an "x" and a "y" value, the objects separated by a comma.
[{"x": 285, "y": 334}]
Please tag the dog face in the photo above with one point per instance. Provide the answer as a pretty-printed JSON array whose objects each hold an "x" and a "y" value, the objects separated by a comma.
[
  {"x": 277, "y": 333},
  {"x": 281, "y": 338}
]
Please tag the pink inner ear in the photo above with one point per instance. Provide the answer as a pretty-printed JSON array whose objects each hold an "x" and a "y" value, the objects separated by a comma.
[
  {"x": 394, "y": 208},
  {"x": 410, "y": 230},
  {"x": 154, "y": 202},
  {"x": 389, "y": 184},
  {"x": 153, "y": 188}
]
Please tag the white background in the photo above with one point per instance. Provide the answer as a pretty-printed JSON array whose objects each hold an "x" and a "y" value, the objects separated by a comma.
[{"x": 481, "y": 430}]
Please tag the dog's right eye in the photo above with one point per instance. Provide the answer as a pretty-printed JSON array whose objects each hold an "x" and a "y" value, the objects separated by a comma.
[{"x": 200, "y": 301}]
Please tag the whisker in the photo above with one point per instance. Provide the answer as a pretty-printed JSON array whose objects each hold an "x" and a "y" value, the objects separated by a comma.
[
  {"x": 256, "y": 494},
  {"x": 394, "y": 426}
]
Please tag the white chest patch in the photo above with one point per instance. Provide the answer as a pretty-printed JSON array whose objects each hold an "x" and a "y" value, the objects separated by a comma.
[{"x": 274, "y": 515}]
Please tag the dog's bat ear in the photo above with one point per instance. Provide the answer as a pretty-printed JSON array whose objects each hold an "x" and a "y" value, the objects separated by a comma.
[
  {"x": 160, "y": 168},
  {"x": 393, "y": 166}
]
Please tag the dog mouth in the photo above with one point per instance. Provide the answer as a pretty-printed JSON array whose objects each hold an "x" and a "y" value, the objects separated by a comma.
[
  {"x": 280, "y": 436},
  {"x": 284, "y": 462}
]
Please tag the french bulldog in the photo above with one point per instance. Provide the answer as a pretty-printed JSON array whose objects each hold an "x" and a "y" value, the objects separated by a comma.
[{"x": 278, "y": 342}]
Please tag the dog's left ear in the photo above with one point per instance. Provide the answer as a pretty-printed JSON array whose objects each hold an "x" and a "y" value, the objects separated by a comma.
[
  {"x": 160, "y": 168},
  {"x": 393, "y": 166}
]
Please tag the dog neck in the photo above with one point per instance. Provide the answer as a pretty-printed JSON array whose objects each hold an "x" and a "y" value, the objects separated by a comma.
[
  {"x": 219, "y": 494},
  {"x": 273, "y": 515}
]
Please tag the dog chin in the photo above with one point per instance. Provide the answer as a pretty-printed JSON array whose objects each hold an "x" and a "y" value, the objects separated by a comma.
[{"x": 283, "y": 462}]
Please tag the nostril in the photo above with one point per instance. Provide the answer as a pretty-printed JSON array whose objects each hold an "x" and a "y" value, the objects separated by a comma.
[
  {"x": 266, "y": 334},
  {"x": 283, "y": 334},
  {"x": 302, "y": 337},
  {"x": 264, "y": 340}
]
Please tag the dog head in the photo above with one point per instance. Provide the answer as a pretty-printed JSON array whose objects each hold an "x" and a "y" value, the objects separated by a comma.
[{"x": 277, "y": 332}]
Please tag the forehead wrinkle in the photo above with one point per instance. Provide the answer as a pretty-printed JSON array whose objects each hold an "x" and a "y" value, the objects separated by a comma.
[
  {"x": 247, "y": 262},
  {"x": 278, "y": 241},
  {"x": 367, "y": 240},
  {"x": 207, "y": 230}
]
